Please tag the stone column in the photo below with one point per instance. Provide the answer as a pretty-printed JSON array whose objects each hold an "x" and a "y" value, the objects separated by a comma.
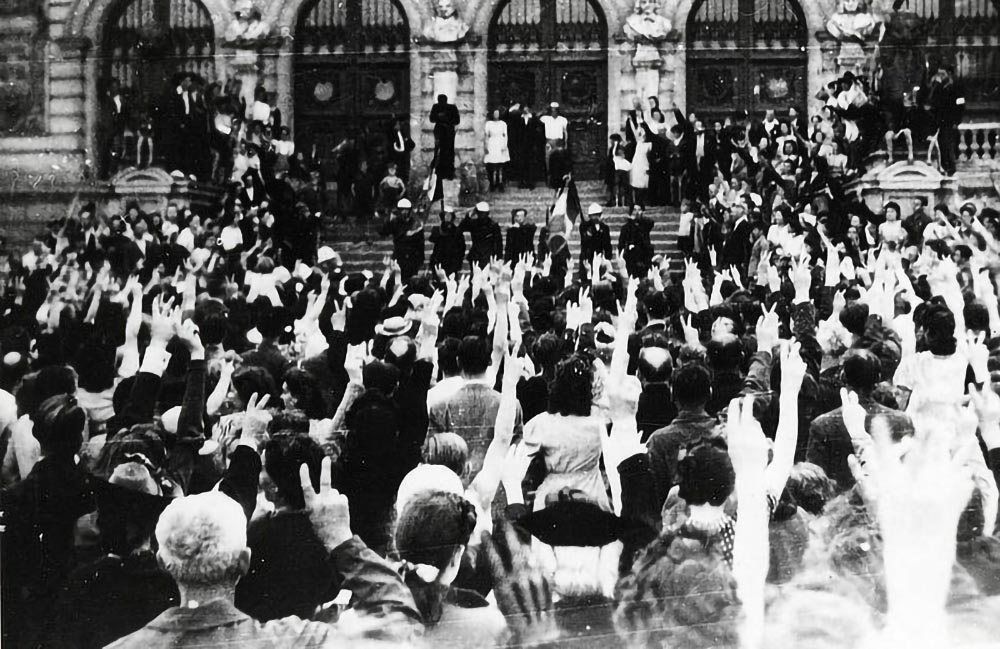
[{"x": 446, "y": 76}]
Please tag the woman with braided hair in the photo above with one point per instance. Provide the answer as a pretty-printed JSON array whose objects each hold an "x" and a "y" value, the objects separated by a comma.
[{"x": 431, "y": 536}]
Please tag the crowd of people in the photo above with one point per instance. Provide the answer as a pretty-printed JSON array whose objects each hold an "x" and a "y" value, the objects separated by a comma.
[{"x": 213, "y": 435}]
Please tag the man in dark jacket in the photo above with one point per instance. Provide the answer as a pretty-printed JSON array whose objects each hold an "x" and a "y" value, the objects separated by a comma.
[
  {"x": 692, "y": 425},
  {"x": 449, "y": 244},
  {"x": 829, "y": 442},
  {"x": 224, "y": 557},
  {"x": 527, "y": 146},
  {"x": 445, "y": 118},
  {"x": 737, "y": 248},
  {"x": 634, "y": 243},
  {"x": 520, "y": 236},
  {"x": 407, "y": 238},
  {"x": 946, "y": 103},
  {"x": 595, "y": 236},
  {"x": 487, "y": 239}
]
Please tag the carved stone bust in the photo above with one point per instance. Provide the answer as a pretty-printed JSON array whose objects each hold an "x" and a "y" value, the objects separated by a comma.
[
  {"x": 645, "y": 25},
  {"x": 853, "y": 20},
  {"x": 447, "y": 25},
  {"x": 247, "y": 25}
]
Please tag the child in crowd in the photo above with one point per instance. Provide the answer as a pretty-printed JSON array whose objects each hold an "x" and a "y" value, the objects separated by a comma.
[{"x": 390, "y": 190}]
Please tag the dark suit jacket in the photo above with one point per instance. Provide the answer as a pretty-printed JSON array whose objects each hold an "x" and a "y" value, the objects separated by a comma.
[{"x": 830, "y": 444}]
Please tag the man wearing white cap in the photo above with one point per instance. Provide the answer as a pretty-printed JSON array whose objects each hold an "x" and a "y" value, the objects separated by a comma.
[
  {"x": 407, "y": 238},
  {"x": 556, "y": 131},
  {"x": 487, "y": 239},
  {"x": 595, "y": 236}
]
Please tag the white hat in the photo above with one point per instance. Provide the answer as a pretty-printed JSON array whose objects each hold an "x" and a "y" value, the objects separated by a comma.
[
  {"x": 554, "y": 104},
  {"x": 281, "y": 274},
  {"x": 594, "y": 208},
  {"x": 404, "y": 204},
  {"x": 325, "y": 253},
  {"x": 482, "y": 206}
]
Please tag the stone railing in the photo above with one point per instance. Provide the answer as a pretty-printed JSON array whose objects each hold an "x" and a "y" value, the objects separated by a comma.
[{"x": 979, "y": 143}]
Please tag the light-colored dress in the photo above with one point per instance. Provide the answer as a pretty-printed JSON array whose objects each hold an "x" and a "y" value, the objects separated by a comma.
[
  {"x": 496, "y": 143},
  {"x": 571, "y": 447},
  {"x": 639, "y": 176}
]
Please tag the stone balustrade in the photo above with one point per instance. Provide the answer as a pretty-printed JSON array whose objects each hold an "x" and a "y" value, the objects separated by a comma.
[{"x": 979, "y": 143}]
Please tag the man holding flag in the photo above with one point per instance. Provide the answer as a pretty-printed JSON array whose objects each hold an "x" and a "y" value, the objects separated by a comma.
[{"x": 554, "y": 239}]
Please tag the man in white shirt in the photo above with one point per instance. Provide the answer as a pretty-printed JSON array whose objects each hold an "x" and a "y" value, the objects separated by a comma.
[{"x": 556, "y": 131}]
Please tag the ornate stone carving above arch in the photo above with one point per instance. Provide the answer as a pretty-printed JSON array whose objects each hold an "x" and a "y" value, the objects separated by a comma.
[
  {"x": 284, "y": 16},
  {"x": 479, "y": 13},
  {"x": 87, "y": 17},
  {"x": 816, "y": 13}
]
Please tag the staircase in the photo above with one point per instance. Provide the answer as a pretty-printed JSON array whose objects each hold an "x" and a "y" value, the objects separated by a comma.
[{"x": 361, "y": 247}]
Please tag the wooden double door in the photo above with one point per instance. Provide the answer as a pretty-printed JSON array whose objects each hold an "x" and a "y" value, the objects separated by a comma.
[{"x": 543, "y": 51}]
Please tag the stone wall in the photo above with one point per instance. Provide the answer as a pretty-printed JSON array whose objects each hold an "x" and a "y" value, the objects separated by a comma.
[
  {"x": 62, "y": 151},
  {"x": 75, "y": 28}
]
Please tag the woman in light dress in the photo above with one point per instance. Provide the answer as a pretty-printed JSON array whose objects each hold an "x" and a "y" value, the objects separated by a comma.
[
  {"x": 639, "y": 175},
  {"x": 497, "y": 153}
]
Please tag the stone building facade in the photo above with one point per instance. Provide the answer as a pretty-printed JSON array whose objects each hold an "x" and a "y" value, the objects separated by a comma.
[{"x": 336, "y": 66}]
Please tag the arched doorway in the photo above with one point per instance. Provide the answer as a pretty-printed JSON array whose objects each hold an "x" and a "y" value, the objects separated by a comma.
[
  {"x": 146, "y": 42},
  {"x": 351, "y": 76},
  {"x": 542, "y": 51},
  {"x": 745, "y": 54}
]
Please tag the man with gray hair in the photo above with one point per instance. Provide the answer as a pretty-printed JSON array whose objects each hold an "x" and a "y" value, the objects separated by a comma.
[{"x": 203, "y": 545}]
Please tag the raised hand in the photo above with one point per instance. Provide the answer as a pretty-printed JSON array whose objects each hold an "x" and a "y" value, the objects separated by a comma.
[
  {"x": 338, "y": 319},
  {"x": 793, "y": 369},
  {"x": 255, "y": 421},
  {"x": 747, "y": 445},
  {"x": 328, "y": 509},
  {"x": 162, "y": 321},
  {"x": 187, "y": 333},
  {"x": 511, "y": 370},
  {"x": 691, "y": 337},
  {"x": 801, "y": 276},
  {"x": 978, "y": 354},
  {"x": 853, "y": 413},
  {"x": 768, "y": 329},
  {"x": 522, "y": 592}
]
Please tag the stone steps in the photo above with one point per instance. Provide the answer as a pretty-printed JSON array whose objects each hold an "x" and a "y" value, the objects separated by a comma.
[{"x": 361, "y": 247}]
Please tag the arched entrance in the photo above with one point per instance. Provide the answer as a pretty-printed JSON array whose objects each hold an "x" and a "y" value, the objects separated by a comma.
[
  {"x": 351, "y": 76},
  {"x": 146, "y": 42},
  {"x": 542, "y": 51},
  {"x": 745, "y": 54}
]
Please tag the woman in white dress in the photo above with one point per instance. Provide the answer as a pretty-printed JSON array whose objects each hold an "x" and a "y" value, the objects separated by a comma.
[
  {"x": 497, "y": 153},
  {"x": 639, "y": 175}
]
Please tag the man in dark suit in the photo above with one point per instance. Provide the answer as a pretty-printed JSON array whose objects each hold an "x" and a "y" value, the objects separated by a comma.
[
  {"x": 253, "y": 190},
  {"x": 705, "y": 149},
  {"x": 634, "y": 243},
  {"x": 526, "y": 138},
  {"x": 177, "y": 124},
  {"x": 737, "y": 248},
  {"x": 113, "y": 117},
  {"x": 445, "y": 118},
  {"x": 487, "y": 239},
  {"x": 684, "y": 142},
  {"x": 829, "y": 442},
  {"x": 945, "y": 102}
]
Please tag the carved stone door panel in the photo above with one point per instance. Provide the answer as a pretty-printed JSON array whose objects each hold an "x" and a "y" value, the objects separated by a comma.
[
  {"x": 542, "y": 51},
  {"x": 351, "y": 76},
  {"x": 745, "y": 55}
]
